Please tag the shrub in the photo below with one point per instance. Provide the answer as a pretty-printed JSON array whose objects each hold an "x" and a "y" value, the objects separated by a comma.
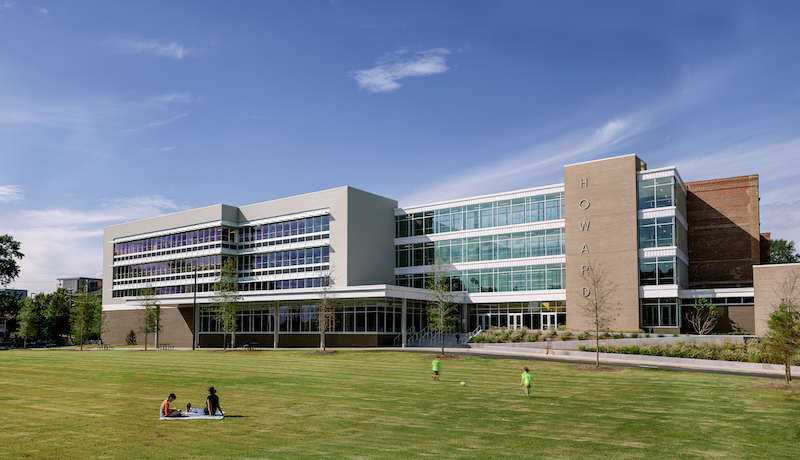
[
  {"x": 583, "y": 336},
  {"x": 130, "y": 339},
  {"x": 553, "y": 333},
  {"x": 633, "y": 349},
  {"x": 619, "y": 335},
  {"x": 635, "y": 335},
  {"x": 566, "y": 335},
  {"x": 581, "y": 348}
]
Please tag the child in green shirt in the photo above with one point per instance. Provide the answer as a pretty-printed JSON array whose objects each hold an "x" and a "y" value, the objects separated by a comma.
[
  {"x": 527, "y": 382},
  {"x": 436, "y": 365}
]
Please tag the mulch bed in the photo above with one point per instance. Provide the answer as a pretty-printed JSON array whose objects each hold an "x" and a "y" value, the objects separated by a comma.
[
  {"x": 444, "y": 356},
  {"x": 778, "y": 386},
  {"x": 596, "y": 368},
  {"x": 325, "y": 352}
]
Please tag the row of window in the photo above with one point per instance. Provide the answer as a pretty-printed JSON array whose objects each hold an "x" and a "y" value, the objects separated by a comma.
[
  {"x": 485, "y": 248},
  {"x": 285, "y": 258},
  {"x": 283, "y": 229},
  {"x": 495, "y": 214},
  {"x": 243, "y": 287},
  {"x": 349, "y": 315},
  {"x": 506, "y": 279},
  {"x": 210, "y": 235},
  {"x": 170, "y": 267}
]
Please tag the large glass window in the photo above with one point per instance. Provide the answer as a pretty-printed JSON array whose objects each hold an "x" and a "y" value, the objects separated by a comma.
[
  {"x": 657, "y": 193},
  {"x": 505, "y": 279},
  {"x": 485, "y": 215},
  {"x": 658, "y": 232},
  {"x": 657, "y": 271},
  {"x": 659, "y": 312}
]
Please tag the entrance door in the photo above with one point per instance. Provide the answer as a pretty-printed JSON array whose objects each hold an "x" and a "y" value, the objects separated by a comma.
[
  {"x": 485, "y": 322},
  {"x": 549, "y": 321},
  {"x": 515, "y": 320}
]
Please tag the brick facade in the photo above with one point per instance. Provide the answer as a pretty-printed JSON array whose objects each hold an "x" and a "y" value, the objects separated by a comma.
[{"x": 724, "y": 237}]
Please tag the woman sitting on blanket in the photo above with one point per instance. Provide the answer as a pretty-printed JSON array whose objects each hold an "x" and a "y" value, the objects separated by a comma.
[
  {"x": 212, "y": 402},
  {"x": 167, "y": 411}
]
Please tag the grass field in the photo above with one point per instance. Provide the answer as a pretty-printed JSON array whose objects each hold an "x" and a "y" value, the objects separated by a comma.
[{"x": 369, "y": 404}]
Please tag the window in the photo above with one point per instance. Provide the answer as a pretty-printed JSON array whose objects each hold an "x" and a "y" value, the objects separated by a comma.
[
  {"x": 656, "y": 233},
  {"x": 659, "y": 312},
  {"x": 656, "y": 193},
  {"x": 657, "y": 271}
]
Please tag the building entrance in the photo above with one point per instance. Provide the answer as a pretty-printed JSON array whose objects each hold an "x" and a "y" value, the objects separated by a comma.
[
  {"x": 549, "y": 321},
  {"x": 485, "y": 322},
  {"x": 515, "y": 320}
]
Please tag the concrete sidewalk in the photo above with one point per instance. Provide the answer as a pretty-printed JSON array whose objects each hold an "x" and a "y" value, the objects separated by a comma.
[{"x": 513, "y": 349}]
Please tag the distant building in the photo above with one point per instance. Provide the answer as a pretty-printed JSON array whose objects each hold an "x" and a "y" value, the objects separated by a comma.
[
  {"x": 77, "y": 284},
  {"x": 515, "y": 259}
]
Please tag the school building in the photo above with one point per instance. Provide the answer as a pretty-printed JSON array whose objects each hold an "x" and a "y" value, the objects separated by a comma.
[{"x": 514, "y": 259}]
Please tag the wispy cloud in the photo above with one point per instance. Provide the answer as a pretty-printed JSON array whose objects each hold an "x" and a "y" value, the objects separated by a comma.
[
  {"x": 9, "y": 193},
  {"x": 62, "y": 242},
  {"x": 516, "y": 170},
  {"x": 401, "y": 64},
  {"x": 155, "y": 124},
  {"x": 41, "y": 9},
  {"x": 6, "y": 5},
  {"x": 153, "y": 47}
]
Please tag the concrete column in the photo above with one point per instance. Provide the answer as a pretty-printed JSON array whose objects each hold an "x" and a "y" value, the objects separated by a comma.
[{"x": 404, "y": 325}]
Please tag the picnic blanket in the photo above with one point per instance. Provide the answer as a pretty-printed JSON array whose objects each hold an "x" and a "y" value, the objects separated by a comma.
[{"x": 195, "y": 414}]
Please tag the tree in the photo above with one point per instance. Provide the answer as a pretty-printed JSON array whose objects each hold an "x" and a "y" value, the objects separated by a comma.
[
  {"x": 9, "y": 308},
  {"x": 86, "y": 317},
  {"x": 9, "y": 251},
  {"x": 782, "y": 252},
  {"x": 29, "y": 319},
  {"x": 151, "y": 313},
  {"x": 599, "y": 302},
  {"x": 782, "y": 341},
  {"x": 442, "y": 309},
  {"x": 326, "y": 306},
  {"x": 225, "y": 303},
  {"x": 703, "y": 317},
  {"x": 55, "y": 313}
]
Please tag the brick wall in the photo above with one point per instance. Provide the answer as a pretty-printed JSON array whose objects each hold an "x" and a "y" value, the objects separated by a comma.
[{"x": 724, "y": 237}]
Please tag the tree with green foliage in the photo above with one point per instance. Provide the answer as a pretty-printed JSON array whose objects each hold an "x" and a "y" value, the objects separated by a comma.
[
  {"x": 55, "y": 314},
  {"x": 225, "y": 303},
  {"x": 442, "y": 309},
  {"x": 782, "y": 252},
  {"x": 151, "y": 313},
  {"x": 782, "y": 341},
  {"x": 326, "y": 306},
  {"x": 599, "y": 302},
  {"x": 86, "y": 317},
  {"x": 9, "y": 255},
  {"x": 29, "y": 320},
  {"x": 703, "y": 317}
]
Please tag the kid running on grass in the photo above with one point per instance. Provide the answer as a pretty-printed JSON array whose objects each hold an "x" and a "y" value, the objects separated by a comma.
[
  {"x": 436, "y": 365},
  {"x": 527, "y": 381}
]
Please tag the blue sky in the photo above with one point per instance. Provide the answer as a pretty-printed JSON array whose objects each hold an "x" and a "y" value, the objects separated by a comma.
[{"x": 116, "y": 111}]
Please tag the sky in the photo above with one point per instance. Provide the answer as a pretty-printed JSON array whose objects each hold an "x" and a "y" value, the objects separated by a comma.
[{"x": 118, "y": 111}]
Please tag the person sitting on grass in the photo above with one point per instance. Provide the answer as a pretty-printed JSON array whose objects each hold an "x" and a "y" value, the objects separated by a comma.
[
  {"x": 212, "y": 402},
  {"x": 167, "y": 411}
]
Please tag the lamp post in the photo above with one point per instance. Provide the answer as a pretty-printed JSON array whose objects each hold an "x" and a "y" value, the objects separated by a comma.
[{"x": 194, "y": 309}]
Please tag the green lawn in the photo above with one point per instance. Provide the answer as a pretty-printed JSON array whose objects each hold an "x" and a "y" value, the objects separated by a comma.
[{"x": 368, "y": 404}]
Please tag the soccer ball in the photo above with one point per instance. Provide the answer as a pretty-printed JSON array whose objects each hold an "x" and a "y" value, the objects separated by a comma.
[{"x": 463, "y": 383}]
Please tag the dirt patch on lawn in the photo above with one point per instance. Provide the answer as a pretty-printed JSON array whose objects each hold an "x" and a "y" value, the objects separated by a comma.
[
  {"x": 778, "y": 386},
  {"x": 444, "y": 356},
  {"x": 325, "y": 352},
  {"x": 595, "y": 368}
]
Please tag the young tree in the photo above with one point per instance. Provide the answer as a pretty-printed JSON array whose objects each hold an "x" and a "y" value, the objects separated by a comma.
[
  {"x": 86, "y": 317},
  {"x": 326, "y": 307},
  {"x": 9, "y": 251},
  {"x": 703, "y": 317},
  {"x": 151, "y": 313},
  {"x": 782, "y": 252},
  {"x": 28, "y": 320},
  {"x": 55, "y": 314},
  {"x": 782, "y": 341},
  {"x": 442, "y": 309},
  {"x": 599, "y": 302},
  {"x": 225, "y": 303}
]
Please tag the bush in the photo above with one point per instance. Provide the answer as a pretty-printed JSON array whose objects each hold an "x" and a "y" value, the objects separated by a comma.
[
  {"x": 634, "y": 335},
  {"x": 130, "y": 339},
  {"x": 583, "y": 335},
  {"x": 581, "y": 348},
  {"x": 566, "y": 335}
]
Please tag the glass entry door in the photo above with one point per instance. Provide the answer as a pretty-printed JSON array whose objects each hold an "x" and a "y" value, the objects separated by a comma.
[
  {"x": 485, "y": 322},
  {"x": 549, "y": 321},
  {"x": 515, "y": 320}
]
